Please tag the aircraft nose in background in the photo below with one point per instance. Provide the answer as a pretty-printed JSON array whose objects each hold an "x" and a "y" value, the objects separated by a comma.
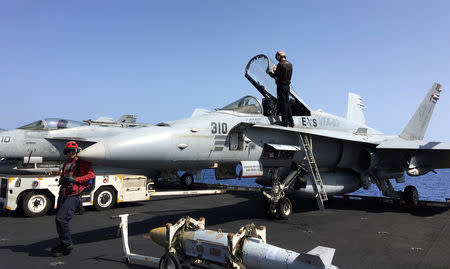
[{"x": 93, "y": 153}]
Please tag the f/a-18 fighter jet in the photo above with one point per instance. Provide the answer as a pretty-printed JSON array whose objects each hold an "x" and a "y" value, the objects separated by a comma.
[
  {"x": 322, "y": 155},
  {"x": 37, "y": 148}
]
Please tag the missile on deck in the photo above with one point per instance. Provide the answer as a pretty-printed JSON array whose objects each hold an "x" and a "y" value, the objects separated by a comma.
[{"x": 187, "y": 243}]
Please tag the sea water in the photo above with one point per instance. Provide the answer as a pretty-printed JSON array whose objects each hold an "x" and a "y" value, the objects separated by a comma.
[{"x": 431, "y": 187}]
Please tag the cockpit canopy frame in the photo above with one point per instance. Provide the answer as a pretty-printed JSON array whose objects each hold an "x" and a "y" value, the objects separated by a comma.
[
  {"x": 52, "y": 124},
  {"x": 256, "y": 72},
  {"x": 247, "y": 104}
]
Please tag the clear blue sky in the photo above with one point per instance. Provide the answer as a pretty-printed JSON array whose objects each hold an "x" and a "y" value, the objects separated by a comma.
[{"x": 85, "y": 59}]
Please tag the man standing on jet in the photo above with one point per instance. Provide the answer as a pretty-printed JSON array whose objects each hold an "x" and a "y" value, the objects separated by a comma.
[
  {"x": 282, "y": 74},
  {"x": 75, "y": 177}
]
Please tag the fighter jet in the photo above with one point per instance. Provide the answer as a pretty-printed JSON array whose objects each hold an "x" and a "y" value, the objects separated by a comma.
[
  {"x": 37, "y": 148},
  {"x": 322, "y": 155},
  {"x": 124, "y": 121}
]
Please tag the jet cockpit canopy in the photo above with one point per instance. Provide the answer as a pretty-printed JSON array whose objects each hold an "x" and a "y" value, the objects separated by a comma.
[
  {"x": 247, "y": 104},
  {"x": 255, "y": 72},
  {"x": 52, "y": 124}
]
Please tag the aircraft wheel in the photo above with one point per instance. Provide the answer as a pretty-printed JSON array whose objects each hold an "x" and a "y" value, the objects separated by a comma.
[
  {"x": 284, "y": 208},
  {"x": 35, "y": 204},
  {"x": 169, "y": 261},
  {"x": 187, "y": 180},
  {"x": 104, "y": 198},
  {"x": 411, "y": 196},
  {"x": 268, "y": 209}
]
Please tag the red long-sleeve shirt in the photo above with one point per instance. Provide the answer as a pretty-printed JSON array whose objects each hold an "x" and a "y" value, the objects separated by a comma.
[{"x": 81, "y": 171}]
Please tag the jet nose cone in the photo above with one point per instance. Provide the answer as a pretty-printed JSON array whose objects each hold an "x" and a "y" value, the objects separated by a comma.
[{"x": 94, "y": 153}]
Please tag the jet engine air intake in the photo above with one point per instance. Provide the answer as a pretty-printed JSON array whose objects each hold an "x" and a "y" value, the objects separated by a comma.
[{"x": 370, "y": 163}]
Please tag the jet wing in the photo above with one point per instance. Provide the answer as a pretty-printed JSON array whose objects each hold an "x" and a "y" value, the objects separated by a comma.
[
  {"x": 433, "y": 155},
  {"x": 429, "y": 155},
  {"x": 414, "y": 145},
  {"x": 326, "y": 133}
]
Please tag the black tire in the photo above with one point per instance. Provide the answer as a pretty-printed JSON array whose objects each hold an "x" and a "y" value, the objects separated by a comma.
[
  {"x": 187, "y": 180},
  {"x": 267, "y": 209},
  {"x": 411, "y": 196},
  {"x": 284, "y": 208},
  {"x": 35, "y": 204},
  {"x": 104, "y": 198},
  {"x": 169, "y": 262}
]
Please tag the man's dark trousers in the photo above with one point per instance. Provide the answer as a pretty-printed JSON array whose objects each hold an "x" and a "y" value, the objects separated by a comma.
[
  {"x": 283, "y": 105},
  {"x": 67, "y": 206}
]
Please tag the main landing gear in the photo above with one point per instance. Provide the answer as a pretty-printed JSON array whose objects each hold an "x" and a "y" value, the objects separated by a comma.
[{"x": 410, "y": 195}]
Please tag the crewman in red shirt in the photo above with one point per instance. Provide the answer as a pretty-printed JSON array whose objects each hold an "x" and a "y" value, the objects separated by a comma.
[{"x": 75, "y": 177}]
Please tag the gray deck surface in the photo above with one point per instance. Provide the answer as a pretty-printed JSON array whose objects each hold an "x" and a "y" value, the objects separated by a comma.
[{"x": 365, "y": 234}]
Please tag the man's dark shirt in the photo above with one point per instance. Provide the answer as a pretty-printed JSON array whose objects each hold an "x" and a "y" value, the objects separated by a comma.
[{"x": 283, "y": 73}]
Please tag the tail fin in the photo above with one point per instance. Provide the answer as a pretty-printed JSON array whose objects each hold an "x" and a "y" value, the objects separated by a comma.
[
  {"x": 417, "y": 125},
  {"x": 355, "y": 109},
  {"x": 319, "y": 256},
  {"x": 129, "y": 119}
]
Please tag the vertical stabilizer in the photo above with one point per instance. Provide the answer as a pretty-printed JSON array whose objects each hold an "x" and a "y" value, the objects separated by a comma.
[
  {"x": 355, "y": 109},
  {"x": 129, "y": 119},
  {"x": 417, "y": 125}
]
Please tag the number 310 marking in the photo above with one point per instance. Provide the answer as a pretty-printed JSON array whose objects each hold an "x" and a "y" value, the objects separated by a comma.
[{"x": 219, "y": 127}]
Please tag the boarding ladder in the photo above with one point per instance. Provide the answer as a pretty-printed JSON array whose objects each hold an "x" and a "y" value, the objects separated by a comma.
[{"x": 316, "y": 179}]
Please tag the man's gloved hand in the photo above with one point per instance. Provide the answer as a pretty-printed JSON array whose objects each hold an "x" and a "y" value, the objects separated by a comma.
[{"x": 67, "y": 180}]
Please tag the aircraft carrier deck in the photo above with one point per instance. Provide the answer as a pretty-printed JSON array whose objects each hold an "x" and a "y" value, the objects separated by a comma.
[{"x": 366, "y": 234}]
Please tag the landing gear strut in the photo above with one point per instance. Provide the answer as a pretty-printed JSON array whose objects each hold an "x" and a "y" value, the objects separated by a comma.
[{"x": 277, "y": 204}]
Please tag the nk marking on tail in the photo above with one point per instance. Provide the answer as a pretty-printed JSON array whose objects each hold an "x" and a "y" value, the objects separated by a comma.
[{"x": 417, "y": 126}]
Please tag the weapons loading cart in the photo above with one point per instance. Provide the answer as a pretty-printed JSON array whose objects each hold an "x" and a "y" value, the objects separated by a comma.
[{"x": 36, "y": 195}]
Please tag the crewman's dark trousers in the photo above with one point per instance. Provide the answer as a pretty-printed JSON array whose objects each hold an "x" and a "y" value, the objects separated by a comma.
[
  {"x": 67, "y": 206},
  {"x": 283, "y": 105}
]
